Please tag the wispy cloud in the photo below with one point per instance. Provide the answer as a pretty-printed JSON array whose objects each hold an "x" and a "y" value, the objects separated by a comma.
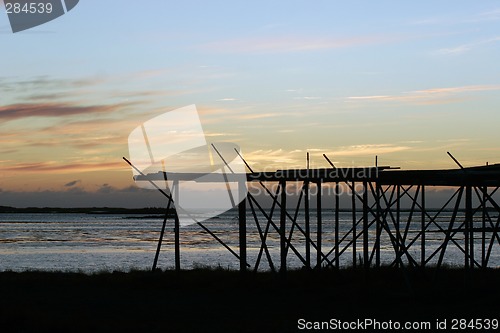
[
  {"x": 374, "y": 97},
  {"x": 369, "y": 149},
  {"x": 271, "y": 158},
  {"x": 489, "y": 15},
  {"x": 454, "y": 50},
  {"x": 258, "y": 116},
  {"x": 467, "y": 47},
  {"x": 308, "y": 98},
  {"x": 17, "y": 111},
  {"x": 281, "y": 158},
  {"x": 219, "y": 134},
  {"x": 278, "y": 44},
  {"x": 39, "y": 83},
  {"x": 427, "y": 96},
  {"x": 462, "y": 89},
  {"x": 470, "y": 18},
  {"x": 50, "y": 167}
]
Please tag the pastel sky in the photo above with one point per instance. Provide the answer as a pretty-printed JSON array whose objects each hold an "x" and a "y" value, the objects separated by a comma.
[{"x": 404, "y": 80}]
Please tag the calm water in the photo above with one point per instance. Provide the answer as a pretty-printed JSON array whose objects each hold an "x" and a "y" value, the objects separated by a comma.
[{"x": 85, "y": 242}]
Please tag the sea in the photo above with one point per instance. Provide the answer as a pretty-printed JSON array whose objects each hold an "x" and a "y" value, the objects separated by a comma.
[{"x": 78, "y": 242}]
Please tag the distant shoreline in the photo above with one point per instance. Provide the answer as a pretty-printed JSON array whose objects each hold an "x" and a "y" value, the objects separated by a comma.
[{"x": 88, "y": 210}]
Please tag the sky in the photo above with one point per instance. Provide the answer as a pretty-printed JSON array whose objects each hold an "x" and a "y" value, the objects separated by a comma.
[{"x": 404, "y": 81}]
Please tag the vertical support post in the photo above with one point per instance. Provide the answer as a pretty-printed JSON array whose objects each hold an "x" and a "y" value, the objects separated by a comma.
[
  {"x": 399, "y": 240},
  {"x": 468, "y": 227},
  {"x": 307, "y": 222},
  {"x": 422, "y": 228},
  {"x": 282, "y": 227},
  {"x": 471, "y": 229},
  {"x": 483, "y": 227},
  {"x": 379, "y": 224},
  {"x": 242, "y": 217},
  {"x": 177, "y": 246},
  {"x": 160, "y": 240},
  {"x": 337, "y": 225},
  {"x": 366, "y": 255},
  {"x": 354, "y": 220},
  {"x": 320, "y": 227}
]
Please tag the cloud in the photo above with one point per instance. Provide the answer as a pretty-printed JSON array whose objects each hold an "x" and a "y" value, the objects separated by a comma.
[
  {"x": 454, "y": 50},
  {"x": 75, "y": 190},
  {"x": 466, "y": 47},
  {"x": 427, "y": 96},
  {"x": 219, "y": 134},
  {"x": 368, "y": 149},
  {"x": 278, "y": 44},
  {"x": 272, "y": 159},
  {"x": 462, "y": 89},
  {"x": 53, "y": 167},
  {"x": 308, "y": 98},
  {"x": 130, "y": 197},
  {"x": 258, "y": 116},
  {"x": 375, "y": 97},
  {"x": 44, "y": 83},
  {"x": 106, "y": 188},
  {"x": 17, "y": 111},
  {"x": 470, "y": 18},
  {"x": 490, "y": 15},
  {"x": 72, "y": 183}
]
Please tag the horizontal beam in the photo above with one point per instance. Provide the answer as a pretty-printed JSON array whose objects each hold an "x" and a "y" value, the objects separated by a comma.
[{"x": 475, "y": 176}]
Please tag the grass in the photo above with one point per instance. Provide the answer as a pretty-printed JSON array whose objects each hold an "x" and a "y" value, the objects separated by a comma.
[{"x": 219, "y": 300}]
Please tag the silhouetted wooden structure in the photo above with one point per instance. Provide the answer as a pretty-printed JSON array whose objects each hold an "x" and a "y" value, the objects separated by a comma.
[{"x": 468, "y": 221}]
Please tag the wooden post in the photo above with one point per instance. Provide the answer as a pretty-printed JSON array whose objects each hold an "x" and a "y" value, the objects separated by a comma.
[
  {"x": 282, "y": 228},
  {"x": 307, "y": 224},
  {"x": 468, "y": 226},
  {"x": 307, "y": 216},
  {"x": 366, "y": 255},
  {"x": 378, "y": 224},
  {"x": 242, "y": 217},
  {"x": 354, "y": 220},
  {"x": 398, "y": 222},
  {"x": 422, "y": 227},
  {"x": 320, "y": 227},
  {"x": 337, "y": 225},
  {"x": 160, "y": 240},
  {"x": 177, "y": 246},
  {"x": 483, "y": 234}
]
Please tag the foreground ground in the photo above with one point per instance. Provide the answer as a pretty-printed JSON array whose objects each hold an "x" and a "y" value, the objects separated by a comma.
[{"x": 224, "y": 301}]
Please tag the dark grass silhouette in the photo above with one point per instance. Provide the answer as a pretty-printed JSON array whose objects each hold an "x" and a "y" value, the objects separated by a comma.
[{"x": 218, "y": 300}]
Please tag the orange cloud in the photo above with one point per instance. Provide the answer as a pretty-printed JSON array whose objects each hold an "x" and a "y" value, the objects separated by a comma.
[
  {"x": 271, "y": 159},
  {"x": 57, "y": 168}
]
